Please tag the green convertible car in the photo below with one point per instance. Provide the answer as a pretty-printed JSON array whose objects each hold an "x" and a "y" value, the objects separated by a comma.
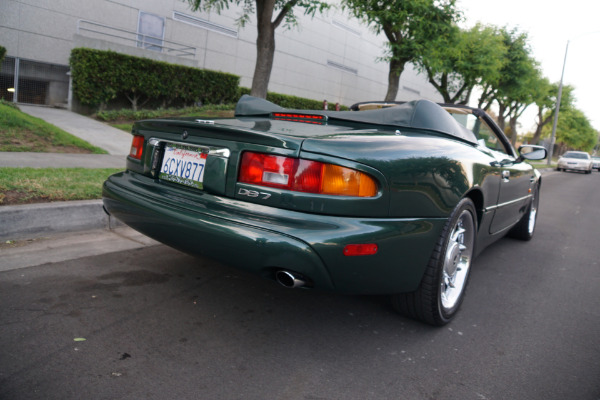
[{"x": 394, "y": 199}]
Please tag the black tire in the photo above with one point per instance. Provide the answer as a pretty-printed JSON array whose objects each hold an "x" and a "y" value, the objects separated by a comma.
[
  {"x": 444, "y": 283},
  {"x": 525, "y": 228}
]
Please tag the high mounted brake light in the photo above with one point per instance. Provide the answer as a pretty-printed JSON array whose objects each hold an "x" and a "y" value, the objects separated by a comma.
[
  {"x": 306, "y": 176},
  {"x": 297, "y": 117}
]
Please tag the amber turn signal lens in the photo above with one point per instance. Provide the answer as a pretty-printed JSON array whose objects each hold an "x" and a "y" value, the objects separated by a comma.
[
  {"x": 347, "y": 182},
  {"x": 137, "y": 147}
]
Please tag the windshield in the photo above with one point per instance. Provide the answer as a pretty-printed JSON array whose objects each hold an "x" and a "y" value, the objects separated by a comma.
[{"x": 581, "y": 156}]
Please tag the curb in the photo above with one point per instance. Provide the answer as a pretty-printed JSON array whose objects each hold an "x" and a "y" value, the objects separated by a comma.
[{"x": 31, "y": 221}]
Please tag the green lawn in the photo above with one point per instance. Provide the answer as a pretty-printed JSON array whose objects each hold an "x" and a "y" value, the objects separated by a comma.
[
  {"x": 35, "y": 185},
  {"x": 22, "y": 132}
]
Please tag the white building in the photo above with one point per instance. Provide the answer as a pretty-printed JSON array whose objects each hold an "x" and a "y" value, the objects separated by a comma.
[{"x": 330, "y": 56}]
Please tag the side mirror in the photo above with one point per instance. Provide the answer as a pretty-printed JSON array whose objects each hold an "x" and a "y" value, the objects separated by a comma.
[{"x": 532, "y": 152}]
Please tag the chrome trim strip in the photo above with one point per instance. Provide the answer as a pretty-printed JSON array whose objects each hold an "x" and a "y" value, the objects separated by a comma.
[
  {"x": 214, "y": 151},
  {"x": 491, "y": 208}
]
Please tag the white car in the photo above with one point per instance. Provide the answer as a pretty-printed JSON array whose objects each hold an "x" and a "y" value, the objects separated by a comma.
[{"x": 576, "y": 161}]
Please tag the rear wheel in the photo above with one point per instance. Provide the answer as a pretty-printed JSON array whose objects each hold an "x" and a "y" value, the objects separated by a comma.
[
  {"x": 443, "y": 286},
  {"x": 525, "y": 228}
]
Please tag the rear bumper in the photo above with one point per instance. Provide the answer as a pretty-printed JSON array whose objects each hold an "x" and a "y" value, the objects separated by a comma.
[
  {"x": 264, "y": 240},
  {"x": 574, "y": 167}
]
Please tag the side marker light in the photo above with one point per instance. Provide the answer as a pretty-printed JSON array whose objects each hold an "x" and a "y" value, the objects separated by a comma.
[{"x": 368, "y": 249}]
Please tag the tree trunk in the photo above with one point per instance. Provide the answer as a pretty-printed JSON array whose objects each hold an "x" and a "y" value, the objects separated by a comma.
[
  {"x": 265, "y": 48},
  {"x": 516, "y": 110},
  {"x": 501, "y": 116},
  {"x": 513, "y": 129},
  {"x": 487, "y": 97},
  {"x": 541, "y": 123},
  {"x": 467, "y": 97},
  {"x": 396, "y": 69},
  {"x": 133, "y": 100},
  {"x": 441, "y": 87}
]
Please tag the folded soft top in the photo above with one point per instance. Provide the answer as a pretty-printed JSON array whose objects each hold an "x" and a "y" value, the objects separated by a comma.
[{"x": 418, "y": 114}]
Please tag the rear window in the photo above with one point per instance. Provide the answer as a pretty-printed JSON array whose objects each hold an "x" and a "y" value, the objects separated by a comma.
[{"x": 581, "y": 156}]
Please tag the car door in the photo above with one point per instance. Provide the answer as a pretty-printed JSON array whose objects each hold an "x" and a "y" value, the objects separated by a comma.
[
  {"x": 515, "y": 178},
  {"x": 515, "y": 184}
]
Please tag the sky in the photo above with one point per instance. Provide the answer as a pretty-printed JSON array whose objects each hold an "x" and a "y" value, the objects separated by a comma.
[{"x": 550, "y": 25}]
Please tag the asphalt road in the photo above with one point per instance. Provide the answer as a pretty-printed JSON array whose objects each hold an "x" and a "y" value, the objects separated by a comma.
[{"x": 159, "y": 324}]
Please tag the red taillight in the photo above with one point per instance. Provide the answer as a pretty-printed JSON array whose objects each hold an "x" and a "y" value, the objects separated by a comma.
[
  {"x": 137, "y": 147},
  {"x": 304, "y": 176},
  {"x": 360, "y": 249}
]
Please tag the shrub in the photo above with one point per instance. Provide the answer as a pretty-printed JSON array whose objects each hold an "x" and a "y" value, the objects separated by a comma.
[
  {"x": 2, "y": 53},
  {"x": 298, "y": 103},
  {"x": 292, "y": 102},
  {"x": 99, "y": 77}
]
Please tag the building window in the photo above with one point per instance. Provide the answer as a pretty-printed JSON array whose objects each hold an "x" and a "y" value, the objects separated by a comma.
[{"x": 151, "y": 31}]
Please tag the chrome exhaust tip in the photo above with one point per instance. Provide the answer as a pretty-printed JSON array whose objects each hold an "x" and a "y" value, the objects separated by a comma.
[{"x": 289, "y": 279}]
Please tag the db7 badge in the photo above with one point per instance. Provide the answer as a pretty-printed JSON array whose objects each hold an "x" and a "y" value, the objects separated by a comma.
[{"x": 254, "y": 193}]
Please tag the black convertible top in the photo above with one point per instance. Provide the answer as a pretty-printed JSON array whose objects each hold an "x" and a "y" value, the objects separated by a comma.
[{"x": 419, "y": 114}]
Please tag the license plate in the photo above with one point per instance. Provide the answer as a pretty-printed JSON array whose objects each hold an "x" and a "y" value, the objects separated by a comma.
[{"x": 184, "y": 165}]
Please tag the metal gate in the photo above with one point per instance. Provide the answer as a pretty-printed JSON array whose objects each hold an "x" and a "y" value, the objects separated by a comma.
[{"x": 33, "y": 82}]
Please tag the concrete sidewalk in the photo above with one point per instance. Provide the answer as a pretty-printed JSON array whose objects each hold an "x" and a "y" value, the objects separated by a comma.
[
  {"x": 62, "y": 247},
  {"x": 32, "y": 234},
  {"x": 61, "y": 160},
  {"x": 113, "y": 140}
]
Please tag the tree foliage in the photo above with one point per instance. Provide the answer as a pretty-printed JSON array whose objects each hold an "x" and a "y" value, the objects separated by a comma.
[
  {"x": 514, "y": 91},
  {"x": 545, "y": 96},
  {"x": 2, "y": 53},
  {"x": 574, "y": 130},
  {"x": 270, "y": 14},
  {"x": 458, "y": 63},
  {"x": 410, "y": 26}
]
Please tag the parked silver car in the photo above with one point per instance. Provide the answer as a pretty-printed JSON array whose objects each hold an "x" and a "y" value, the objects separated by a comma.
[
  {"x": 576, "y": 161},
  {"x": 596, "y": 163}
]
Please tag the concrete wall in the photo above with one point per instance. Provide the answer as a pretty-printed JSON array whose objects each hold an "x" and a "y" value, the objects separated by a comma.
[{"x": 331, "y": 56}]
